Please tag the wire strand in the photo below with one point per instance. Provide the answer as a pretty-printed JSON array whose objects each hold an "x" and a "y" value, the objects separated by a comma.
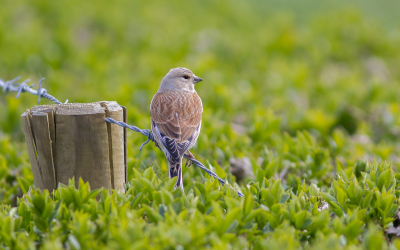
[{"x": 13, "y": 86}]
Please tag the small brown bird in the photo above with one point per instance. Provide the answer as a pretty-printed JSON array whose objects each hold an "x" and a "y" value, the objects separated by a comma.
[{"x": 176, "y": 112}]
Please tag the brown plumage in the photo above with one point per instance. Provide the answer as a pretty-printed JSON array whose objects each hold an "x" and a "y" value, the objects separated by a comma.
[{"x": 176, "y": 112}]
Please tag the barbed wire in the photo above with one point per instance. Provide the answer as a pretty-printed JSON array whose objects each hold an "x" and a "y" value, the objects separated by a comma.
[
  {"x": 150, "y": 136},
  {"x": 23, "y": 87},
  {"x": 13, "y": 86}
]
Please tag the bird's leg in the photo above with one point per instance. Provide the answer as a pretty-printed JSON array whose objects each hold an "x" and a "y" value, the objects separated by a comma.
[{"x": 190, "y": 156}]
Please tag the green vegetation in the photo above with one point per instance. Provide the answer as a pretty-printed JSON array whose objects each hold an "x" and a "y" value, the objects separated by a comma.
[{"x": 308, "y": 103}]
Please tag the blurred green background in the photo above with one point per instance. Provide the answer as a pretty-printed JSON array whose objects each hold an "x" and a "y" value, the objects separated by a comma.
[
  {"x": 302, "y": 91},
  {"x": 270, "y": 70}
]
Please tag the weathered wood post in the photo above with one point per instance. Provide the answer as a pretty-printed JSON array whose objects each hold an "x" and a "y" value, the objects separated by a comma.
[{"x": 73, "y": 140}]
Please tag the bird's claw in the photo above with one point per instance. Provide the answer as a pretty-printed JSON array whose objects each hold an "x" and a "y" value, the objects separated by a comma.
[{"x": 190, "y": 157}]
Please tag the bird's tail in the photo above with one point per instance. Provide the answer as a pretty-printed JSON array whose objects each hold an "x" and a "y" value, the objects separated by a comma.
[{"x": 175, "y": 169}]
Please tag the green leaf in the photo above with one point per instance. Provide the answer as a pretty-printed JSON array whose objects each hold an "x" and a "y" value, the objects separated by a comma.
[
  {"x": 272, "y": 168},
  {"x": 24, "y": 185},
  {"x": 231, "y": 202},
  {"x": 367, "y": 199},
  {"x": 232, "y": 227},
  {"x": 157, "y": 198},
  {"x": 252, "y": 215},
  {"x": 341, "y": 197},
  {"x": 170, "y": 184},
  {"x": 272, "y": 220},
  {"x": 314, "y": 190},
  {"x": 299, "y": 219},
  {"x": 277, "y": 190},
  {"x": 268, "y": 197},
  {"x": 148, "y": 185},
  {"x": 93, "y": 194},
  {"x": 148, "y": 174},
  {"x": 385, "y": 179},
  {"x": 167, "y": 196},
  {"x": 230, "y": 217},
  {"x": 247, "y": 203},
  {"x": 137, "y": 174},
  {"x": 332, "y": 203},
  {"x": 38, "y": 203},
  {"x": 136, "y": 200},
  {"x": 353, "y": 229},
  {"x": 260, "y": 175},
  {"x": 54, "y": 212}
]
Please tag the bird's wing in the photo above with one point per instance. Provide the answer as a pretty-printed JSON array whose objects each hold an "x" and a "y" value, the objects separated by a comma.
[{"x": 176, "y": 121}]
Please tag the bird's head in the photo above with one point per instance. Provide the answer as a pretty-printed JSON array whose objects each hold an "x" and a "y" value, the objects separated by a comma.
[{"x": 180, "y": 79}]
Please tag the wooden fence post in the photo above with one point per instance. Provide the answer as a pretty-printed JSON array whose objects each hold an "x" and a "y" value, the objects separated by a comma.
[{"x": 73, "y": 140}]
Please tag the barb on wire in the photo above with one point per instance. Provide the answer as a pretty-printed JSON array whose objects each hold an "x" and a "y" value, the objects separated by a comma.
[
  {"x": 149, "y": 135},
  {"x": 23, "y": 87}
]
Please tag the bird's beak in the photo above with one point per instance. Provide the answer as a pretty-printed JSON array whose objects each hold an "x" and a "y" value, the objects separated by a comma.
[{"x": 197, "y": 79}]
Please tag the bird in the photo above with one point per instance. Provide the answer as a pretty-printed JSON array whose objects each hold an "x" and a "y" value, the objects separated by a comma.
[{"x": 176, "y": 113}]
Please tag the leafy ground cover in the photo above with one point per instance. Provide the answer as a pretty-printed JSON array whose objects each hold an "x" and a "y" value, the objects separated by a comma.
[{"x": 303, "y": 117}]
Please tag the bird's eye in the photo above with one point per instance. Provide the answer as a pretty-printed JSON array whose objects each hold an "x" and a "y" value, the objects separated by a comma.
[{"x": 186, "y": 77}]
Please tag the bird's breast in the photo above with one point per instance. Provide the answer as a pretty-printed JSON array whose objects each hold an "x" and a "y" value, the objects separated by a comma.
[{"x": 176, "y": 104}]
